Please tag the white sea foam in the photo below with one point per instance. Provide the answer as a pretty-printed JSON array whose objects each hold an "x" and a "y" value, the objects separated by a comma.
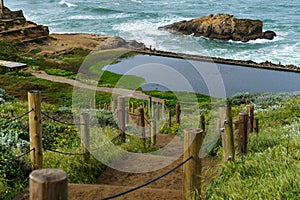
[
  {"x": 98, "y": 17},
  {"x": 62, "y": 2},
  {"x": 136, "y": 1}
]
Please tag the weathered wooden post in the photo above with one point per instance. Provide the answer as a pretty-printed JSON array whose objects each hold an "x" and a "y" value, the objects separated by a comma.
[
  {"x": 150, "y": 106},
  {"x": 85, "y": 135},
  {"x": 227, "y": 134},
  {"x": 163, "y": 108},
  {"x": 202, "y": 122},
  {"x": 100, "y": 105},
  {"x": 178, "y": 111},
  {"x": 121, "y": 117},
  {"x": 153, "y": 131},
  {"x": 132, "y": 107},
  {"x": 91, "y": 103},
  {"x": 255, "y": 125},
  {"x": 141, "y": 124},
  {"x": 243, "y": 121},
  {"x": 250, "y": 111},
  {"x": 113, "y": 104},
  {"x": 193, "y": 139},
  {"x": 157, "y": 113},
  {"x": 48, "y": 184},
  {"x": 1, "y": 9},
  {"x": 169, "y": 118},
  {"x": 35, "y": 129}
]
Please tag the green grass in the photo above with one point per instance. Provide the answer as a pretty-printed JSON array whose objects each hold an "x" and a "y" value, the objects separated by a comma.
[{"x": 270, "y": 169}]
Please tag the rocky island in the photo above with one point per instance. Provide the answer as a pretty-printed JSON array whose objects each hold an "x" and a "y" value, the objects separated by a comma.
[{"x": 222, "y": 27}]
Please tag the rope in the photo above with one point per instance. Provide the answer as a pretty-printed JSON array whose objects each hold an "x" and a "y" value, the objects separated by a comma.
[
  {"x": 65, "y": 123},
  {"x": 147, "y": 183},
  {"x": 65, "y": 153},
  {"x": 21, "y": 116},
  {"x": 134, "y": 114},
  {"x": 25, "y": 154},
  {"x": 20, "y": 156},
  {"x": 147, "y": 120}
]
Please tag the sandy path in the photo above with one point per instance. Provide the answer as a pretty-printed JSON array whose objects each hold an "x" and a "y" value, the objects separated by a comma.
[
  {"x": 77, "y": 84},
  {"x": 112, "y": 181}
]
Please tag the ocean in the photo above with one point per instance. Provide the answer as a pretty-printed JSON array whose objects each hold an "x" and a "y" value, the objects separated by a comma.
[{"x": 139, "y": 20}]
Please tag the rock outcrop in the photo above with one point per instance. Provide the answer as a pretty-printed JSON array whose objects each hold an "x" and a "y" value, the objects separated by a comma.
[
  {"x": 222, "y": 27},
  {"x": 14, "y": 26}
]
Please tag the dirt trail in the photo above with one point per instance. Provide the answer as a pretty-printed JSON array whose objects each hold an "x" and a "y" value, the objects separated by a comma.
[
  {"x": 75, "y": 83},
  {"x": 112, "y": 181}
]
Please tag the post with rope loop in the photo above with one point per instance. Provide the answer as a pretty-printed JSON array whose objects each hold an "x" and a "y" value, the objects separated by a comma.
[
  {"x": 141, "y": 124},
  {"x": 35, "y": 129},
  {"x": 121, "y": 118},
  {"x": 193, "y": 139},
  {"x": 243, "y": 121},
  {"x": 85, "y": 135},
  {"x": 226, "y": 129}
]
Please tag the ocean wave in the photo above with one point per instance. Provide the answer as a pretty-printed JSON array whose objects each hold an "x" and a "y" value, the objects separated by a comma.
[
  {"x": 98, "y": 17},
  {"x": 62, "y": 2}
]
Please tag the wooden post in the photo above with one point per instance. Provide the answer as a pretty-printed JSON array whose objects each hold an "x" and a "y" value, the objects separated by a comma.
[
  {"x": 132, "y": 107},
  {"x": 157, "y": 113},
  {"x": 141, "y": 124},
  {"x": 113, "y": 104},
  {"x": 127, "y": 116},
  {"x": 150, "y": 106},
  {"x": 1, "y": 9},
  {"x": 255, "y": 125},
  {"x": 91, "y": 103},
  {"x": 169, "y": 118},
  {"x": 193, "y": 139},
  {"x": 227, "y": 136},
  {"x": 48, "y": 184},
  {"x": 121, "y": 117},
  {"x": 35, "y": 129},
  {"x": 153, "y": 131},
  {"x": 163, "y": 108},
  {"x": 243, "y": 121},
  {"x": 250, "y": 111},
  {"x": 85, "y": 136},
  {"x": 202, "y": 122},
  {"x": 178, "y": 111}
]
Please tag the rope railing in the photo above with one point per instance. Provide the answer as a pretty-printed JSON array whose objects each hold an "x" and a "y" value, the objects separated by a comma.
[
  {"x": 24, "y": 154},
  {"x": 56, "y": 120},
  {"x": 149, "y": 182},
  {"x": 20, "y": 156},
  {"x": 16, "y": 118},
  {"x": 65, "y": 153}
]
